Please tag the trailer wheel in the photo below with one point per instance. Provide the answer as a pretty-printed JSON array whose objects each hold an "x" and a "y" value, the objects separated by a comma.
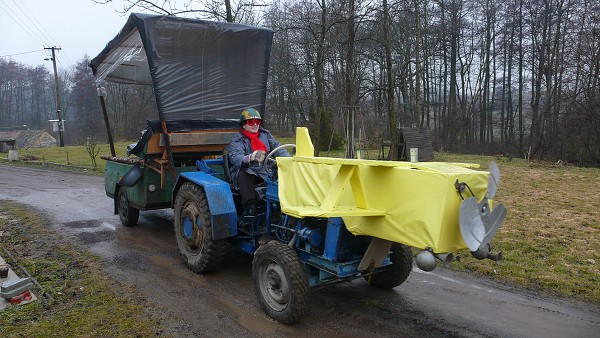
[
  {"x": 280, "y": 282},
  {"x": 193, "y": 230},
  {"x": 397, "y": 273},
  {"x": 129, "y": 215}
]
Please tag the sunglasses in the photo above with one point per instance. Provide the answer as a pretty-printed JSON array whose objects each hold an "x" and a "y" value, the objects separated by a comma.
[{"x": 253, "y": 122}]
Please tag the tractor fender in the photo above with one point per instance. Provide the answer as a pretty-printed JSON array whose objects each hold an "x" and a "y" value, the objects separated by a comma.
[{"x": 220, "y": 202}]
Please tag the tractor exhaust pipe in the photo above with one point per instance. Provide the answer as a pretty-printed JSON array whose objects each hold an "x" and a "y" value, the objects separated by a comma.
[
  {"x": 484, "y": 252},
  {"x": 445, "y": 258},
  {"x": 426, "y": 260}
]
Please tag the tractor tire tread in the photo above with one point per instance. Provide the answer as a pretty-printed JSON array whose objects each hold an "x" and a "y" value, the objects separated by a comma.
[
  {"x": 130, "y": 216},
  {"x": 399, "y": 271},
  {"x": 298, "y": 280},
  {"x": 212, "y": 252}
]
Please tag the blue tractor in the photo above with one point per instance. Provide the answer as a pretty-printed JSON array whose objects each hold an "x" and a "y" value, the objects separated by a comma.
[
  {"x": 291, "y": 255},
  {"x": 321, "y": 220},
  {"x": 300, "y": 243}
]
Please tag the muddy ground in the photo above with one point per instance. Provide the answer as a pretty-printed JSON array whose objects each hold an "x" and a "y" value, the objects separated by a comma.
[{"x": 441, "y": 303}]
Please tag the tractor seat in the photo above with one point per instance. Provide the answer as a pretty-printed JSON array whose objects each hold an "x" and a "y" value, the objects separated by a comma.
[
  {"x": 227, "y": 169},
  {"x": 261, "y": 189}
]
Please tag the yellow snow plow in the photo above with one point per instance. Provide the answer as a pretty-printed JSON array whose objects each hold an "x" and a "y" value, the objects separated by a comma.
[{"x": 439, "y": 207}]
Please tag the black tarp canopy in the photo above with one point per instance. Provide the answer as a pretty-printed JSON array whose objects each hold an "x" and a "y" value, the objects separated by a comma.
[{"x": 200, "y": 70}]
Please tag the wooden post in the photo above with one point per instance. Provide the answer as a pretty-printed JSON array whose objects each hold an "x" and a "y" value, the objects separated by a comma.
[{"x": 101, "y": 94}]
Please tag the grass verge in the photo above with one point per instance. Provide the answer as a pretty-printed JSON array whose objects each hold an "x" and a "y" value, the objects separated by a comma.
[
  {"x": 551, "y": 237},
  {"x": 69, "y": 158},
  {"x": 83, "y": 301}
]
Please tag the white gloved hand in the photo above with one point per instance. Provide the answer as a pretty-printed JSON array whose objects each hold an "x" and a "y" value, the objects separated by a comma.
[{"x": 257, "y": 156}]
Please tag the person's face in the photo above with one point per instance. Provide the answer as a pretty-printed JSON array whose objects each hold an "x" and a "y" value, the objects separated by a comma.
[{"x": 252, "y": 125}]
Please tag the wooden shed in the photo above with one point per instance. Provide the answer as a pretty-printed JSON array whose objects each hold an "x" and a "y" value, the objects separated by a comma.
[
  {"x": 415, "y": 138},
  {"x": 410, "y": 138}
]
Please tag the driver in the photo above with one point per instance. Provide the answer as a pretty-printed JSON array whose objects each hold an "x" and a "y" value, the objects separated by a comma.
[{"x": 247, "y": 151}]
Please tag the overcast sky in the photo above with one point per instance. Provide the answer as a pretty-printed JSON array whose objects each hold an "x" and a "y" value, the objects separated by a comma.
[{"x": 79, "y": 27}]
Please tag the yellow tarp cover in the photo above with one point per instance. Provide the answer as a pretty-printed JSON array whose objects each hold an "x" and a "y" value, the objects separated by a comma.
[{"x": 411, "y": 203}]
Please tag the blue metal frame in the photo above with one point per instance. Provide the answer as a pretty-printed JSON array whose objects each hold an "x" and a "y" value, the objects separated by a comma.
[{"x": 332, "y": 238}]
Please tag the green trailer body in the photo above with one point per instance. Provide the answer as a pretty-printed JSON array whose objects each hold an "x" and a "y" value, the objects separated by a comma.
[{"x": 147, "y": 193}]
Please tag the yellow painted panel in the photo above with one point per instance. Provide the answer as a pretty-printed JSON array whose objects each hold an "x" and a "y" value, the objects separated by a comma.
[{"x": 418, "y": 200}]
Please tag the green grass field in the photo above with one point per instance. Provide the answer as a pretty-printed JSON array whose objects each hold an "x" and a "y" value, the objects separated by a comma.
[{"x": 550, "y": 238}]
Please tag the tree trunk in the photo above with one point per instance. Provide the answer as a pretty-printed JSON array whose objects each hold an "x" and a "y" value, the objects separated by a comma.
[{"x": 392, "y": 116}]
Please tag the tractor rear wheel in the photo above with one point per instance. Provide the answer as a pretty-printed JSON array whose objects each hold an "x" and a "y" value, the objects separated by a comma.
[
  {"x": 397, "y": 273},
  {"x": 280, "y": 282},
  {"x": 128, "y": 215},
  {"x": 193, "y": 230}
]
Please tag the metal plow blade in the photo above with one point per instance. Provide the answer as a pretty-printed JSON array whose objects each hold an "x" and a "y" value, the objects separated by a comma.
[{"x": 477, "y": 224}]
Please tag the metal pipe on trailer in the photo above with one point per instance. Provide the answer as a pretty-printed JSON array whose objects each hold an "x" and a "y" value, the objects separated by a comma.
[{"x": 102, "y": 94}]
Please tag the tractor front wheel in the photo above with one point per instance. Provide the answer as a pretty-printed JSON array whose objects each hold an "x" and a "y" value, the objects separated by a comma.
[
  {"x": 193, "y": 230},
  {"x": 280, "y": 282},
  {"x": 127, "y": 214},
  {"x": 397, "y": 273}
]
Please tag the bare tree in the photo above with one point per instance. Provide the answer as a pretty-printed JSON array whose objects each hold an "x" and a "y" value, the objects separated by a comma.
[
  {"x": 391, "y": 108},
  {"x": 517, "y": 76},
  {"x": 240, "y": 11},
  {"x": 26, "y": 96},
  {"x": 84, "y": 103}
]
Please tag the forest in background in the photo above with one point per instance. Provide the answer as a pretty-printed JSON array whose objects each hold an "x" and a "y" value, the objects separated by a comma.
[{"x": 518, "y": 77}]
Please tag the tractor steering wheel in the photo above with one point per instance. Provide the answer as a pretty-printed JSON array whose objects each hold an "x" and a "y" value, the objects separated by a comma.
[{"x": 269, "y": 162}]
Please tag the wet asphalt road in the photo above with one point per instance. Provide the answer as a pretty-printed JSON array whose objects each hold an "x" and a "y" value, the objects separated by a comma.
[{"x": 441, "y": 303}]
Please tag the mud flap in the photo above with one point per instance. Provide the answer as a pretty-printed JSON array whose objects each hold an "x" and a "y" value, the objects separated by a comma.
[
  {"x": 132, "y": 176},
  {"x": 477, "y": 224}
]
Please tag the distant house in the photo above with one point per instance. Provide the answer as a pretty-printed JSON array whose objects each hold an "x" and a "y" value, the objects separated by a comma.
[{"x": 21, "y": 138}]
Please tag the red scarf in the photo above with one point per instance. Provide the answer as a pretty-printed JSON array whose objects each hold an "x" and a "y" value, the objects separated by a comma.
[{"x": 255, "y": 142}]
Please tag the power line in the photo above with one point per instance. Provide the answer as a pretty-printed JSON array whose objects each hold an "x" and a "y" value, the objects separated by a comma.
[
  {"x": 21, "y": 23},
  {"x": 45, "y": 35},
  {"x": 41, "y": 28},
  {"x": 33, "y": 51},
  {"x": 60, "y": 63},
  {"x": 37, "y": 26}
]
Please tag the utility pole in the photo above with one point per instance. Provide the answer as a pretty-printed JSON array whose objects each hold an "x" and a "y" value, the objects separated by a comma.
[{"x": 61, "y": 141}]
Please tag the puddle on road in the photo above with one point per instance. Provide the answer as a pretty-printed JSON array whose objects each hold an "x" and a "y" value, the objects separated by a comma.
[
  {"x": 108, "y": 225},
  {"x": 90, "y": 238},
  {"x": 82, "y": 224},
  {"x": 132, "y": 261}
]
